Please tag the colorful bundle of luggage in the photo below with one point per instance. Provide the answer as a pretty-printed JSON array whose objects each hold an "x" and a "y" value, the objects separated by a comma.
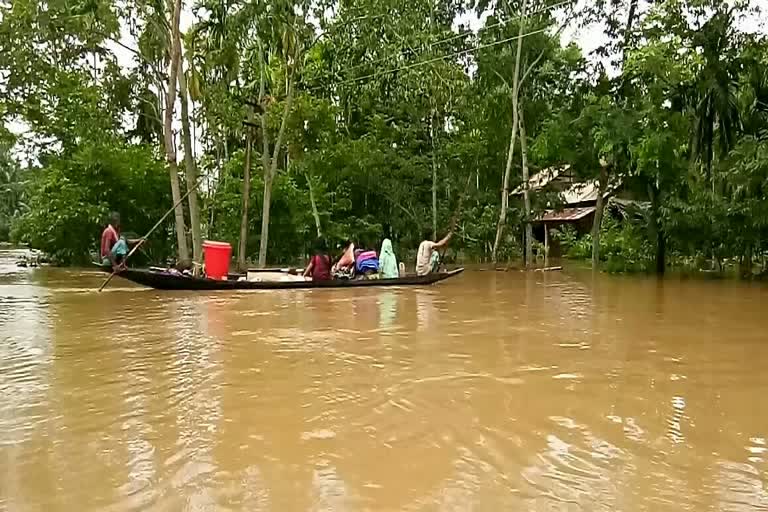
[{"x": 366, "y": 262}]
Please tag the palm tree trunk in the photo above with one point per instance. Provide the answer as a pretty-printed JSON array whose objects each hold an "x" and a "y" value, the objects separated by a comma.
[
  {"x": 526, "y": 196},
  {"x": 312, "y": 201},
  {"x": 434, "y": 176},
  {"x": 709, "y": 145},
  {"x": 191, "y": 171},
  {"x": 248, "y": 157},
  {"x": 694, "y": 141},
  {"x": 270, "y": 173},
  {"x": 599, "y": 208},
  {"x": 265, "y": 209},
  {"x": 170, "y": 150},
  {"x": 243, "y": 246},
  {"x": 656, "y": 230},
  {"x": 510, "y": 152},
  {"x": 628, "y": 29}
]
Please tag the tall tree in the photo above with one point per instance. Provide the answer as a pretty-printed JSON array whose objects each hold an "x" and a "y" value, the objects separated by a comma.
[
  {"x": 190, "y": 170},
  {"x": 170, "y": 148},
  {"x": 246, "y": 199},
  {"x": 526, "y": 194},
  {"x": 608, "y": 158},
  {"x": 542, "y": 45},
  {"x": 270, "y": 163},
  {"x": 713, "y": 98},
  {"x": 515, "y": 126}
]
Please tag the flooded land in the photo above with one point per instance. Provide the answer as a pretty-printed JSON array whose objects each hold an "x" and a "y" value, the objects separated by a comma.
[{"x": 493, "y": 391}]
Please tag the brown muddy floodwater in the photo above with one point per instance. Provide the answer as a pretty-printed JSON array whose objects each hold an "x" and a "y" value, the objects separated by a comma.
[{"x": 489, "y": 392}]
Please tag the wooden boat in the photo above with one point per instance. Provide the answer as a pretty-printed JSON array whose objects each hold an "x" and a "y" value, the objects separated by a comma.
[{"x": 163, "y": 280}]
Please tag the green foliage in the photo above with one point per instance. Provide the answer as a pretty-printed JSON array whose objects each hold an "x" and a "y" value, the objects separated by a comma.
[
  {"x": 573, "y": 246},
  {"x": 624, "y": 246},
  {"x": 13, "y": 191},
  {"x": 733, "y": 222},
  {"x": 293, "y": 226},
  {"x": 70, "y": 199}
]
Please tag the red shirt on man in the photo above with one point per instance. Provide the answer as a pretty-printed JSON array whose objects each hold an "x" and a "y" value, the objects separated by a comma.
[{"x": 109, "y": 238}]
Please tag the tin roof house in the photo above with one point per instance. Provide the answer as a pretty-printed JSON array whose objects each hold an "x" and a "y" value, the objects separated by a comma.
[
  {"x": 576, "y": 204},
  {"x": 577, "y": 198}
]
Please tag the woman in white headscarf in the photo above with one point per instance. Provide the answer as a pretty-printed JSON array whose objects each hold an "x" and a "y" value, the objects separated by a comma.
[{"x": 388, "y": 261}]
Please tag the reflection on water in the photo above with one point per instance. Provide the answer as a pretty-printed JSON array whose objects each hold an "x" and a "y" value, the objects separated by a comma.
[
  {"x": 387, "y": 308},
  {"x": 495, "y": 391}
]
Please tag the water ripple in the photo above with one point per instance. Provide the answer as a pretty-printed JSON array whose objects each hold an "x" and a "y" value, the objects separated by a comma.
[{"x": 503, "y": 391}]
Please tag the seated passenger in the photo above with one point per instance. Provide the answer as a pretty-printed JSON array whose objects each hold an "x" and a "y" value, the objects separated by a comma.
[
  {"x": 388, "y": 261},
  {"x": 319, "y": 266}
]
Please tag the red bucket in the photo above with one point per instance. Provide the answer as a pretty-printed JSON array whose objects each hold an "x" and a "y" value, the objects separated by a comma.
[{"x": 217, "y": 256}]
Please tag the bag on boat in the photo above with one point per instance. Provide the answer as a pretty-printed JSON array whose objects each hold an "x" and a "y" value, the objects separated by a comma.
[
  {"x": 367, "y": 262},
  {"x": 346, "y": 273}
]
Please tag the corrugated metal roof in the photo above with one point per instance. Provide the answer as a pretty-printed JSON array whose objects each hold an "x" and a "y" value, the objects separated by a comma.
[
  {"x": 581, "y": 193},
  {"x": 566, "y": 214},
  {"x": 542, "y": 178},
  {"x": 573, "y": 193},
  {"x": 587, "y": 192}
]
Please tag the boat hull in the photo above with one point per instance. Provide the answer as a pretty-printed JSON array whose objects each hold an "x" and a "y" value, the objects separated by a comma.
[{"x": 165, "y": 281}]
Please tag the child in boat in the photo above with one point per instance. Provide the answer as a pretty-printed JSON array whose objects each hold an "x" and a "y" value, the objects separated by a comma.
[{"x": 319, "y": 266}]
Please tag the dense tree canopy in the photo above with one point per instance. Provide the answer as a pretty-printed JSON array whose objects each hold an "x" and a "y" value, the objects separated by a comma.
[{"x": 363, "y": 119}]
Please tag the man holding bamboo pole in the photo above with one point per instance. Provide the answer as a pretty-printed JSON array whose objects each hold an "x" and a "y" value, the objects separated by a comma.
[{"x": 114, "y": 246}]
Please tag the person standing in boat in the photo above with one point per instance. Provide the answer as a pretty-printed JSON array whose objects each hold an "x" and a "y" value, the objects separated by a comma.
[
  {"x": 319, "y": 267},
  {"x": 428, "y": 259}
]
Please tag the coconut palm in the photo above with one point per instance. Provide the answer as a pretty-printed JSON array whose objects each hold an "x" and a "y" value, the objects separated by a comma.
[{"x": 713, "y": 95}]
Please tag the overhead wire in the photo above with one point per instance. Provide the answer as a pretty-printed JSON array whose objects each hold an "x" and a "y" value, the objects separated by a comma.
[
  {"x": 465, "y": 34},
  {"x": 435, "y": 59}
]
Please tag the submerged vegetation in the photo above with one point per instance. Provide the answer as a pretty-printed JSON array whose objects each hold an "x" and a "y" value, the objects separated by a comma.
[{"x": 362, "y": 119}]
